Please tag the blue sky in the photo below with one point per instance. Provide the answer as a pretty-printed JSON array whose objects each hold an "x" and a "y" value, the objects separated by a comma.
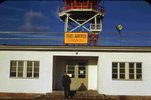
[
  {"x": 42, "y": 16},
  {"x": 29, "y": 16},
  {"x": 133, "y": 15}
]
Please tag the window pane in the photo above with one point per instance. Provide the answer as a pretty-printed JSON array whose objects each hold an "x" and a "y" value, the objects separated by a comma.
[
  {"x": 29, "y": 74},
  {"x": 122, "y": 70},
  {"x": 29, "y": 68},
  {"x": 29, "y": 63},
  {"x": 122, "y": 76},
  {"x": 20, "y": 63},
  {"x": 114, "y": 70},
  {"x": 131, "y": 76},
  {"x": 139, "y": 70},
  {"x": 20, "y": 74},
  {"x": 139, "y": 76},
  {"x": 122, "y": 65},
  {"x": 13, "y": 69},
  {"x": 70, "y": 70},
  {"x": 114, "y": 65},
  {"x": 81, "y": 68},
  {"x": 20, "y": 68},
  {"x": 131, "y": 70},
  {"x": 131, "y": 65},
  {"x": 36, "y": 74},
  {"x": 70, "y": 67},
  {"x": 81, "y": 74},
  {"x": 36, "y": 69},
  {"x": 114, "y": 76},
  {"x": 13, "y": 74},
  {"x": 139, "y": 65},
  {"x": 36, "y": 63},
  {"x": 14, "y": 63}
]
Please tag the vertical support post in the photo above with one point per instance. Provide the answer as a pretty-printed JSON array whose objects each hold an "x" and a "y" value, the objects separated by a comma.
[
  {"x": 95, "y": 23},
  {"x": 100, "y": 24},
  {"x": 66, "y": 27},
  {"x": 94, "y": 34}
]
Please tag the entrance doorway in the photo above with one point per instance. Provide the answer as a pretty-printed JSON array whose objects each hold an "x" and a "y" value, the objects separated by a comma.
[
  {"x": 82, "y": 69},
  {"x": 78, "y": 71}
]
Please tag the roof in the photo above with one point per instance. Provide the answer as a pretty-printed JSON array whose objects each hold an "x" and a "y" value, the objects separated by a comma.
[
  {"x": 89, "y": 0},
  {"x": 75, "y": 48}
]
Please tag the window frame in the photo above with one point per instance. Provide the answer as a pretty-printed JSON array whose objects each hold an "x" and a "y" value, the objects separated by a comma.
[
  {"x": 24, "y": 68},
  {"x": 137, "y": 71}
]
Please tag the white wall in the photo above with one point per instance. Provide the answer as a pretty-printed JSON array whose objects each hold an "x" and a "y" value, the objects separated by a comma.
[
  {"x": 44, "y": 83},
  {"x": 102, "y": 81},
  {"x": 124, "y": 87},
  {"x": 41, "y": 85}
]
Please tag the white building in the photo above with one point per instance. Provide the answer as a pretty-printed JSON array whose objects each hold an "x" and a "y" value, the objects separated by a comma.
[{"x": 108, "y": 70}]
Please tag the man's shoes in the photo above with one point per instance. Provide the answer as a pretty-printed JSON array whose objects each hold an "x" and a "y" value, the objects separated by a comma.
[
  {"x": 66, "y": 97},
  {"x": 71, "y": 97}
]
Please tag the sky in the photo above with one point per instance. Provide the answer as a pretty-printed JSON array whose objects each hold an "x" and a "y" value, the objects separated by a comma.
[{"x": 42, "y": 16}]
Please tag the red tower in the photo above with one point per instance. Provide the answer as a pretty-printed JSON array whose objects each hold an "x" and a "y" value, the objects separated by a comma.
[{"x": 82, "y": 16}]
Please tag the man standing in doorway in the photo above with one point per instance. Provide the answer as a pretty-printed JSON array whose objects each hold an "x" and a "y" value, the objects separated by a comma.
[{"x": 66, "y": 81}]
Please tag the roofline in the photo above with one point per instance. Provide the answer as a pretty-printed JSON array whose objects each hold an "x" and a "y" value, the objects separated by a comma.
[{"x": 76, "y": 48}]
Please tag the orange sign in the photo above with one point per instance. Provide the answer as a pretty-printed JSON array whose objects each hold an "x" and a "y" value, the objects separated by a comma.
[{"x": 75, "y": 37}]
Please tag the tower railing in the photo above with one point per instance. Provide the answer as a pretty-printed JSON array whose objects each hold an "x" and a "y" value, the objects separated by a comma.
[
  {"x": 95, "y": 27},
  {"x": 81, "y": 6}
]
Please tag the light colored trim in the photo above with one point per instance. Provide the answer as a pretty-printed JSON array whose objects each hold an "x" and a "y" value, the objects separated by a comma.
[{"x": 75, "y": 48}]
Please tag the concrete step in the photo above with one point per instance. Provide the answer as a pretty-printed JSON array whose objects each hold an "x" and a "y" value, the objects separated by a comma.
[
  {"x": 79, "y": 95},
  {"x": 15, "y": 98}
]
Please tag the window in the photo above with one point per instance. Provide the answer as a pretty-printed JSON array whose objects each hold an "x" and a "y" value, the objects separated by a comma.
[
  {"x": 24, "y": 69},
  {"x": 70, "y": 69},
  {"x": 127, "y": 70},
  {"x": 122, "y": 70},
  {"x": 82, "y": 70}
]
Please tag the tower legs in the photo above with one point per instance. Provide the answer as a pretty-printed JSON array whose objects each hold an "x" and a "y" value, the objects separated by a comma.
[{"x": 93, "y": 39}]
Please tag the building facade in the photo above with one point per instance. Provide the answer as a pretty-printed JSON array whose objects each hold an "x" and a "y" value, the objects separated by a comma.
[{"x": 108, "y": 70}]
